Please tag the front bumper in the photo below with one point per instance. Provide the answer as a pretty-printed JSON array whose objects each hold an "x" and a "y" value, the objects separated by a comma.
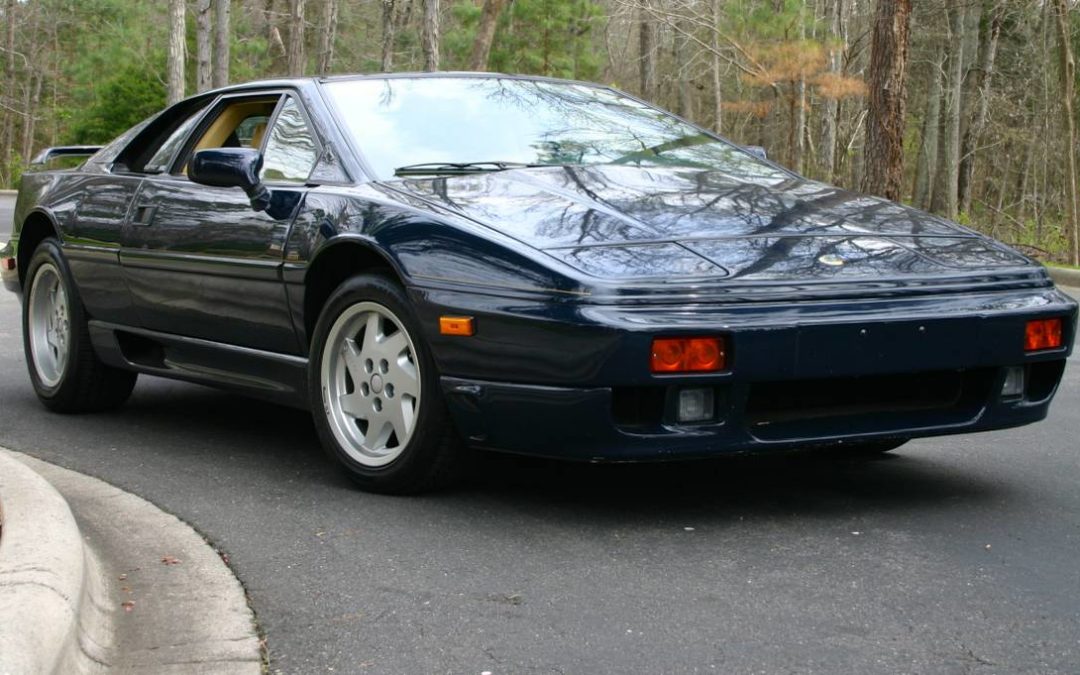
[
  {"x": 824, "y": 374},
  {"x": 581, "y": 424}
]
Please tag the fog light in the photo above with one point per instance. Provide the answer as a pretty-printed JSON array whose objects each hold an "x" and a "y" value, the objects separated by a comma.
[
  {"x": 1014, "y": 382},
  {"x": 696, "y": 405}
]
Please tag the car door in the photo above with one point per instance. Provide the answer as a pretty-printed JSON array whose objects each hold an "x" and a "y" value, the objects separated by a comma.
[
  {"x": 102, "y": 197},
  {"x": 199, "y": 260}
]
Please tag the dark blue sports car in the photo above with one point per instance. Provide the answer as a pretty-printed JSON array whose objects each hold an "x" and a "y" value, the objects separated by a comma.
[{"x": 435, "y": 262}]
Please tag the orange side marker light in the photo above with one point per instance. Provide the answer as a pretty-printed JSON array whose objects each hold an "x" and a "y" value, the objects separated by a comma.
[{"x": 457, "y": 325}]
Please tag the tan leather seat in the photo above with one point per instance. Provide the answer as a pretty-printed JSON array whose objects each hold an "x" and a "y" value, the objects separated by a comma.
[{"x": 257, "y": 135}]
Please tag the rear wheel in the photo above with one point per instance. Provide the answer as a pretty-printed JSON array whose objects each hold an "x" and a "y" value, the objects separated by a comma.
[
  {"x": 375, "y": 391},
  {"x": 67, "y": 375}
]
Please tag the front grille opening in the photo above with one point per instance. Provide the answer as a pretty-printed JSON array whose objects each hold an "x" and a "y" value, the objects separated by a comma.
[
  {"x": 1043, "y": 379},
  {"x": 777, "y": 402}
]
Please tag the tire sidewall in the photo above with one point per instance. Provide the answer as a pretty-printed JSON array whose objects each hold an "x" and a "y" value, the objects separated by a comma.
[
  {"x": 431, "y": 418},
  {"x": 48, "y": 251}
]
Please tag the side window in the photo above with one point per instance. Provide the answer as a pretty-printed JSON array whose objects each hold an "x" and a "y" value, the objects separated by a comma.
[
  {"x": 159, "y": 162},
  {"x": 236, "y": 124},
  {"x": 290, "y": 152}
]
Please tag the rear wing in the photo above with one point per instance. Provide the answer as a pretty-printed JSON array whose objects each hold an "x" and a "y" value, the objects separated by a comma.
[{"x": 70, "y": 153}]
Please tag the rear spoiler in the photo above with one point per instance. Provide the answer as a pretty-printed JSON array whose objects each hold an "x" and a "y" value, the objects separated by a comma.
[{"x": 48, "y": 154}]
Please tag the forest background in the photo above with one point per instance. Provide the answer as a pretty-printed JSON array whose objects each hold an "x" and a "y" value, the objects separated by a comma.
[{"x": 965, "y": 108}]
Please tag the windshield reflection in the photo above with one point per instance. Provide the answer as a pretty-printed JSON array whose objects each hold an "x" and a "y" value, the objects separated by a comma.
[{"x": 398, "y": 122}]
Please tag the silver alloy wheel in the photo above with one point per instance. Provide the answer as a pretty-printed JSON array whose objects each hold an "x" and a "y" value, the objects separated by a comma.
[
  {"x": 370, "y": 381},
  {"x": 49, "y": 324}
]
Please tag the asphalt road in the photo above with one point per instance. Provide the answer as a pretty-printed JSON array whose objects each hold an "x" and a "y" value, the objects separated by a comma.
[{"x": 956, "y": 555}]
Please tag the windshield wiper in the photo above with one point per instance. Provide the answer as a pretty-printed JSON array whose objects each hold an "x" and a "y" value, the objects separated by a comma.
[{"x": 458, "y": 168}]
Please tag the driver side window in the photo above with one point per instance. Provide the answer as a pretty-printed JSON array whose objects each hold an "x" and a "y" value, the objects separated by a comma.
[{"x": 236, "y": 124}]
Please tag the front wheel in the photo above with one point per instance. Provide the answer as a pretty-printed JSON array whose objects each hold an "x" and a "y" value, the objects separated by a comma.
[{"x": 375, "y": 392}]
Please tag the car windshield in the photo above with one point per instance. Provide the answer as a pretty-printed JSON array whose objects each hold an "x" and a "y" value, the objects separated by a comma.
[{"x": 399, "y": 123}]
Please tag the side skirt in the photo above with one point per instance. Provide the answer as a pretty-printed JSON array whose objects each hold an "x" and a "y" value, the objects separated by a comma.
[{"x": 280, "y": 378}]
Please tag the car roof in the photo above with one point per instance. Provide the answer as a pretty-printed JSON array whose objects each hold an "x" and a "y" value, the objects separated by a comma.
[{"x": 295, "y": 82}]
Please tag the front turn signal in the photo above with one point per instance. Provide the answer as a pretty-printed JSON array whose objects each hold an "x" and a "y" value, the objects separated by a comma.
[
  {"x": 457, "y": 325},
  {"x": 1043, "y": 334},
  {"x": 688, "y": 355}
]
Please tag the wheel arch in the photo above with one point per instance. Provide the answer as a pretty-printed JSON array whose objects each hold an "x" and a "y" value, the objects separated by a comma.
[
  {"x": 37, "y": 227},
  {"x": 333, "y": 264}
]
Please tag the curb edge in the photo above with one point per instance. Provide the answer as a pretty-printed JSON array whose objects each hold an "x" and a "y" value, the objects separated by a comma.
[{"x": 43, "y": 572}]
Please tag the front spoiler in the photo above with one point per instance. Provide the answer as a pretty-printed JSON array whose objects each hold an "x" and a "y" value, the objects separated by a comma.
[{"x": 577, "y": 424}]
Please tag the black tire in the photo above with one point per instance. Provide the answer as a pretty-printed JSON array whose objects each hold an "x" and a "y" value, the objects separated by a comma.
[
  {"x": 432, "y": 456},
  {"x": 82, "y": 383}
]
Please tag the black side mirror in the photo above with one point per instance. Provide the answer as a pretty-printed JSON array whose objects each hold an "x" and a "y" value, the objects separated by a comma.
[
  {"x": 756, "y": 151},
  {"x": 232, "y": 167}
]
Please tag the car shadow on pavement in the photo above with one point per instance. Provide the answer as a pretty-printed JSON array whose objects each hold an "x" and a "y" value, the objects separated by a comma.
[{"x": 777, "y": 484}]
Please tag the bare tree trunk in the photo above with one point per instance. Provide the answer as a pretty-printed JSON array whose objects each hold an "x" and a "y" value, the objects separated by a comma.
[
  {"x": 980, "y": 78},
  {"x": 328, "y": 36},
  {"x": 7, "y": 131},
  {"x": 429, "y": 36},
  {"x": 1025, "y": 173},
  {"x": 175, "y": 78},
  {"x": 799, "y": 120},
  {"x": 295, "y": 53},
  {"x": 647, "y": 46},
  {"x": 222, "y": 42},
  {"x": 33, "y": 98},
  {"x": 928, "y": 147},
  {"x": 388, "y": 34},
  {"x": 827, "y": 146},
  {"x": 485, "y": 34},
  {"x": 718, "y": 92},
  {"x": 946, "y": 181},
  {"x": 682, "y": 71},
  {"x": 883, "y": 166},
  {"x": 203, "y": 49},
  {"x": 1068, "y": 87}
]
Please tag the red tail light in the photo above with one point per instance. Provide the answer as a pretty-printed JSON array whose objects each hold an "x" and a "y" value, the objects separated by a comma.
[
  {"x": 688, "y": 355},
  {"x": 1043, "y": 334}
]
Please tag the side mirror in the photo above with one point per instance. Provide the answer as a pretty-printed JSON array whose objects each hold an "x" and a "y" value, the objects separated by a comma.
[
  {"x": 756, "y": 151},
  {"x": 231, "y": 167}
]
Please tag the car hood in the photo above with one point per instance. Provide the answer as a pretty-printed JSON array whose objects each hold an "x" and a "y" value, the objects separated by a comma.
[{"x": 620, "y": 222}]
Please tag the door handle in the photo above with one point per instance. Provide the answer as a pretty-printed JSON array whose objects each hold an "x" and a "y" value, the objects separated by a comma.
[{"x": 144, "y": 214}]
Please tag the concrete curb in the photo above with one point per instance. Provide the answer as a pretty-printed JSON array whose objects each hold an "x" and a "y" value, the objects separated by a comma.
[
  {"x": 1064, "y": 276},
  {"x": 151, "y": 595},
  {"x": 9, "y": 193},
  {"x": 43, "y": 574}
]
